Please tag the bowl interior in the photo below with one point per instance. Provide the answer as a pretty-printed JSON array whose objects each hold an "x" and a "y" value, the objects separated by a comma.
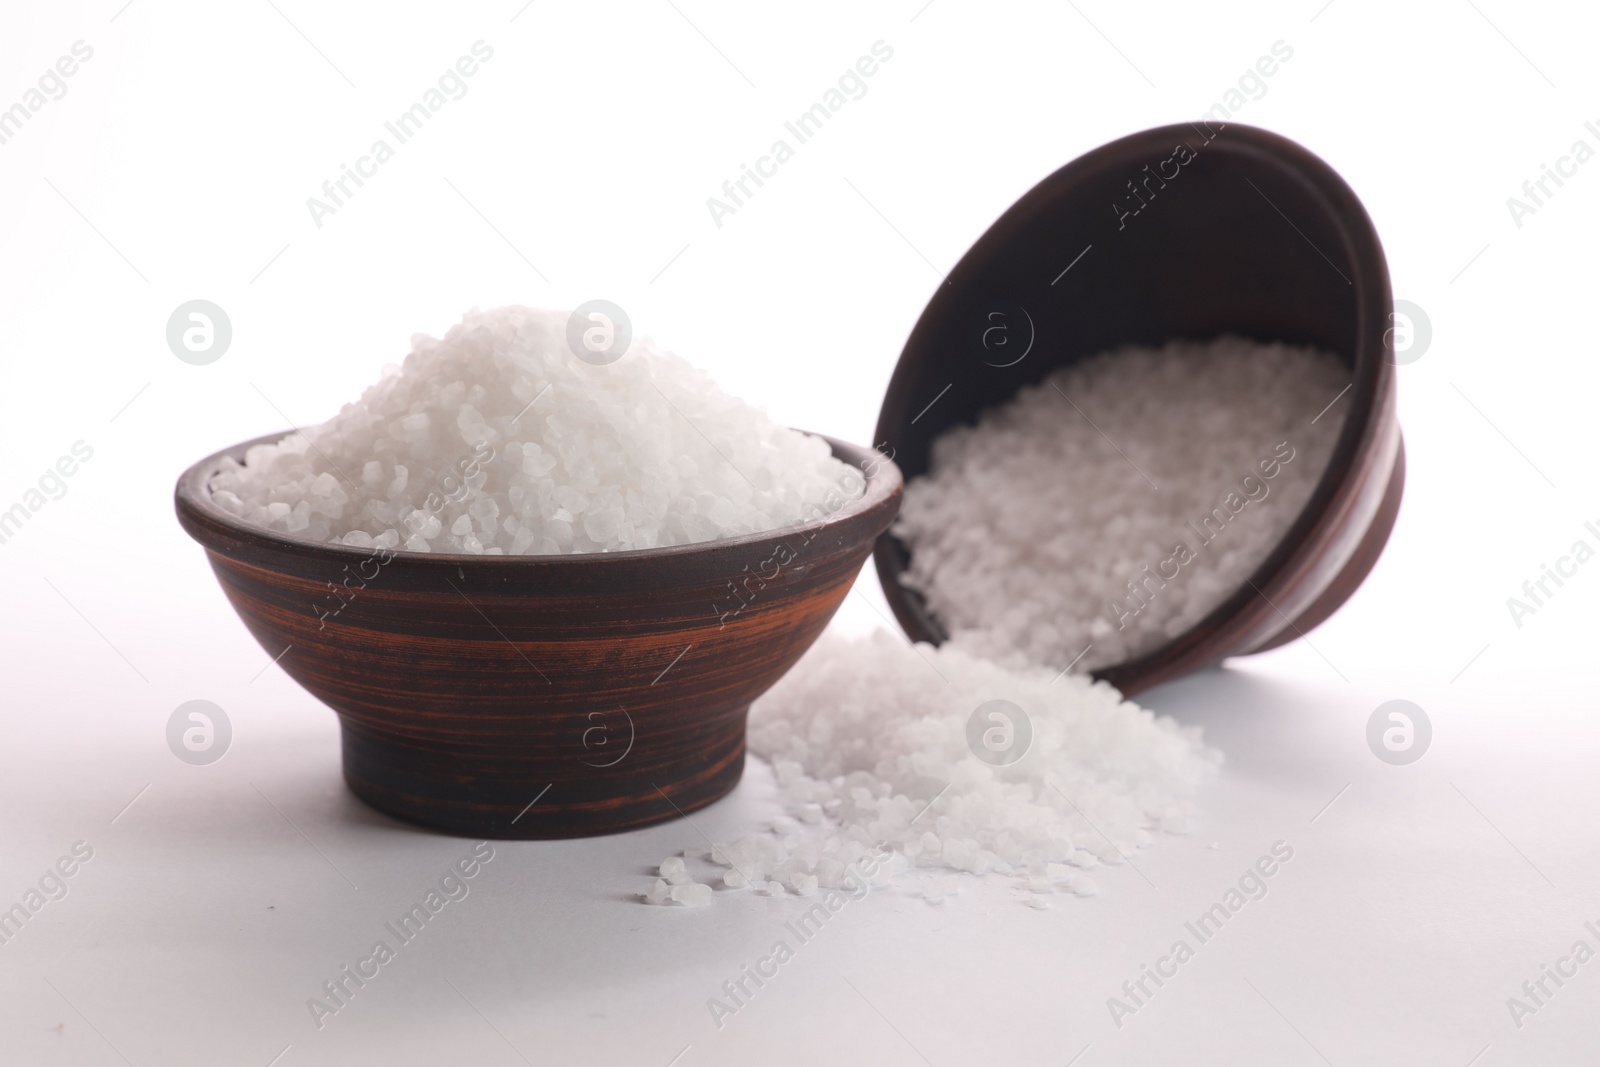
[{"x": 223, "y": 531}]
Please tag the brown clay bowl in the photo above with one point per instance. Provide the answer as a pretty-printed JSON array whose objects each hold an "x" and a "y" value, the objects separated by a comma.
[
  {"x": 1252, "y": 235},
  {"x": 536, "y": 697}
]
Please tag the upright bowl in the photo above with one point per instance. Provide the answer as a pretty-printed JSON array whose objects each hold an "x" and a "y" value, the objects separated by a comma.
[
  {"x": 1187, "y": 231},
  {"x": 541, "y": 696}
]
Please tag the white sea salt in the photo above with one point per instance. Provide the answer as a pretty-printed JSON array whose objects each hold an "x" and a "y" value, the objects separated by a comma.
[
  {"x": 496, "y": 439},
  {"x": 692, "y": 894},
  {"x": 1114, "y": 505},
  {"x": 1059, "y": 873},
  {"x": 868, "y": 738}
]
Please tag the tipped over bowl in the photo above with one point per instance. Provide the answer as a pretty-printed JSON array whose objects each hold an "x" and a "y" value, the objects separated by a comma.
[{"x": 1241, "y": 232}]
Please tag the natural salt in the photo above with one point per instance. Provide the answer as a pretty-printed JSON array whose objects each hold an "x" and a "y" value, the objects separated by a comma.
[
  {"x": 691, "y": 894},
  {"x": 1114, "y": 505},
  {"x": 497, "y": 439},
  {"x": 869, "y": 739}
]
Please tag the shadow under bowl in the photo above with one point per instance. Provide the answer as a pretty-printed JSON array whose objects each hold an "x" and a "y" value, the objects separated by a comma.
[
  {"x": 1188, "y": 231},
  {"x": 541, "y": 696}
]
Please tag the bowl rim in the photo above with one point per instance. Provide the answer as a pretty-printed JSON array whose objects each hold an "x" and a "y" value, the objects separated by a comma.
[{"x": 193, "y": 501}]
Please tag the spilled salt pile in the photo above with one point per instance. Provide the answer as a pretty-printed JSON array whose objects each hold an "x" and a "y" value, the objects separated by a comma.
[
  {"x": 1118, "y": 502},
  {"x": 497, "y": 439},
  {"x": 878, "y": 762}
]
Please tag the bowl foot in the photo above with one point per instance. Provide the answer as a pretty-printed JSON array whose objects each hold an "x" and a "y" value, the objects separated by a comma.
[{"x": 503, "y": 792}]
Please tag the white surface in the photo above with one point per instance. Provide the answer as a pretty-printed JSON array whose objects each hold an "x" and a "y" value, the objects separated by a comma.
[{"x": 1414, "y": 905}]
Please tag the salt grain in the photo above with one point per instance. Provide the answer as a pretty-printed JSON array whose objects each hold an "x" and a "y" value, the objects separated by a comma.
[{"x": 692, "y": 895}]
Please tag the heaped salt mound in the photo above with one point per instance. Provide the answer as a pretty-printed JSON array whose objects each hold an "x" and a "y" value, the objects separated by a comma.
[
  {"x": 869, "y": 739},
  {"x": 1114, "y": 505},
  {"x": 497, "y": 439}
]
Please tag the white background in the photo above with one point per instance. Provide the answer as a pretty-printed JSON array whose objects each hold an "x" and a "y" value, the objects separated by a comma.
[{"x": 177, "y": 166}]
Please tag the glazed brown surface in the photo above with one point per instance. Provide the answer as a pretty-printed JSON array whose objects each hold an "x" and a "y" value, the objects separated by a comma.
[
  {"x": 1254, "y": 236},
  {"x": 541, "y": 696}
]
